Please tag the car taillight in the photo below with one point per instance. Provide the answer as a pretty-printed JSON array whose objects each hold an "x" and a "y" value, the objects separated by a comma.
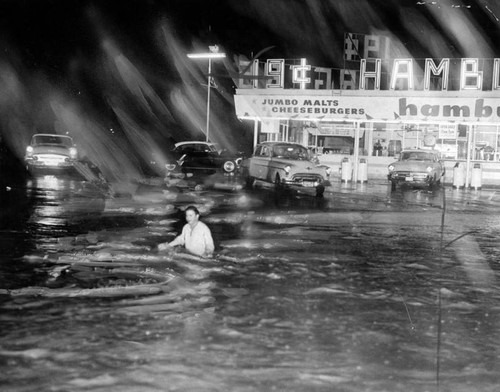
[{"x": 170, "y": 166}]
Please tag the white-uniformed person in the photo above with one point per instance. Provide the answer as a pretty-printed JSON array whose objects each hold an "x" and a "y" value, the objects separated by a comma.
[{"x": 195, "y": 236}]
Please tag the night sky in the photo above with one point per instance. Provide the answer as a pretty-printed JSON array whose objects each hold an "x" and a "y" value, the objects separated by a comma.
[
  {"x": 48, "y": 33},
  {"x": 121, "y": 64}
]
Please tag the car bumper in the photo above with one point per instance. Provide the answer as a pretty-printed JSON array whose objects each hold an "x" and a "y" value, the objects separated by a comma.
[
  {"x": 174, "y": 174},
  {"x": 200, "y": 171},
  {"x": 49, "y": 161},
  {"x": 301, "y": 184},
  {"x": 305, "y": 184},
  {"x": 414, "y": 178}
]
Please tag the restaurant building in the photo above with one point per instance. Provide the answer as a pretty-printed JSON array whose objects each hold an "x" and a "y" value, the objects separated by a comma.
[{"x": 375, "y": 107}]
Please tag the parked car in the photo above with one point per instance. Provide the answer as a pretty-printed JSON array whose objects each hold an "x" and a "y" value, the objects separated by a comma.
[
  {"x": 50, "y": 151},
  {"x": 202, "y": 158},
  {"x": 286, "y": 165},
  {"x": 416, "y": 167}
]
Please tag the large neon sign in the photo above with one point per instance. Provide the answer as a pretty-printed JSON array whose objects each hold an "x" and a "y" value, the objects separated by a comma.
[{"x": 402, "y": 75}]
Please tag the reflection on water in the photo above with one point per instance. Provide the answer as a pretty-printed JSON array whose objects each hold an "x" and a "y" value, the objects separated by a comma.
[
  {"x": 62, "y": 200},
  {"x": 300, "y": 298}
]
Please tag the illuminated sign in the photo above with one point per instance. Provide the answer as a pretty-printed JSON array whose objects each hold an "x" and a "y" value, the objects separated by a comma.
[
  {"x": 299, "y": 73},
  {"x": 375, "y": 75},
  {"x": 443, "y": 68},
  {"x": 363, "y": 105},
  {"x": 402, "y": 70},
  {"x": 275, "y": 69},
  {"x": 403, "y": 75}
]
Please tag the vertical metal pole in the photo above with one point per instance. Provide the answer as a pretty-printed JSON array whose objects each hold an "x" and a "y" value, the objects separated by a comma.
[
  {"x": 356, "y": 152},
  {"x": 403, "y": 142},
  {"x": 370, "y": 138},
  {"x": 496, "y": 144},
  {"x": 255, "y": 132},
  {"x": 208, "y": 96},
  {"x": 469, "y": 145}
]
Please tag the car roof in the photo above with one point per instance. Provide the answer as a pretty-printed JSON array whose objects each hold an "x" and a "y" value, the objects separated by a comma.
[
  {"x": 193, "y": 142},
  {"x": 421, "y": 150},
  {"x": 52, "y": 135},
  {"x": 281, "y": 143}
]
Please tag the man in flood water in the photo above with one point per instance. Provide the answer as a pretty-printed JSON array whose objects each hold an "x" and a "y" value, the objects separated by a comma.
[{"x": 195, "y": 236}]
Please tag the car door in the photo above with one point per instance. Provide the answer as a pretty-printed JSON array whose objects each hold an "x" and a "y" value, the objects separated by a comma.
[{"x": 259, "y": 163}]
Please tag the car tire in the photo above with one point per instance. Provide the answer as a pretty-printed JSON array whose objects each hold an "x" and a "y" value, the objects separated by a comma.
[
  {"x": 278, "y": 186},
  {"x": 320, "y": 190},
  {"x": 249, "y": 181},
  {"x": 229, "y": 166},
  {"x": 245, "y": 176}
]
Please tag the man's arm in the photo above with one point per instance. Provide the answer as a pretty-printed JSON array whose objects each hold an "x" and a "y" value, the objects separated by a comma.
[
  {"x": 209, "y": 242},
  {"x": 179, "y": 240}
]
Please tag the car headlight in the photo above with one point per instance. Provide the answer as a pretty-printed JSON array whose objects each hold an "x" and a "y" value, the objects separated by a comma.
[
  {"x": 29, "y": 150},
  {"x": 170, "y": 166},
  {"x": 328, "y": 171},
  {"x": 73, "y": 152},
  {"x": 229, "y": 166},
  {"x": 287, "y": 169},
  {"x": 391, "y": 168},
  {"x": 429, "y": 169}
]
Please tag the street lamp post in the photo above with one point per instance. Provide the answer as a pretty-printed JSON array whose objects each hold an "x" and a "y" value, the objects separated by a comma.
[{"x": 213, "y": 54}]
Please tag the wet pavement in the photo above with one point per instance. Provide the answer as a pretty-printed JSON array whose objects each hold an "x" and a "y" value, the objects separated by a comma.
[{"x": 363, "y": 290}]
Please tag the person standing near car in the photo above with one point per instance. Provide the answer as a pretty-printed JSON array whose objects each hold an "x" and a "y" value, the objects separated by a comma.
[{"x": 196, "y": 236}]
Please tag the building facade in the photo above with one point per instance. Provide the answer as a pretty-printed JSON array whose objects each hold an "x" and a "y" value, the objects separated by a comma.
[{"x": 377, "y": 107}]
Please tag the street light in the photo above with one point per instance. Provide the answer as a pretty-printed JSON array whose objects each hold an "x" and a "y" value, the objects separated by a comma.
[{"x": 213, "y": 54}]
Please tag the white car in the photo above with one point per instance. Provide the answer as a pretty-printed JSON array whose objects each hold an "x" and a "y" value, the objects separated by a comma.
[
  {"x": 286, "y": 165},
  {"x": 50, "y": 151},
  {"x": 416, "y": 167}
]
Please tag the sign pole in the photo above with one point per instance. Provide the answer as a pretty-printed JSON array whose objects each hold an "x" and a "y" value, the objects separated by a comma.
[
  {"x": 356, "y": 151},
  {"x": 255, "y": 133},
  {"x": 469, "y": 145},
  {"x": 209, "y": 87}
]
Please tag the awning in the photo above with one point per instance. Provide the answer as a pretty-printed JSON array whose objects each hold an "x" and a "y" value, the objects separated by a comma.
[{"x": 362, "y": 105}]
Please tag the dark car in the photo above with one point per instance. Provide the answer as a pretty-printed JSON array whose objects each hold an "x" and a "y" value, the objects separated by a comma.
[{"x": 189, "y": 158}]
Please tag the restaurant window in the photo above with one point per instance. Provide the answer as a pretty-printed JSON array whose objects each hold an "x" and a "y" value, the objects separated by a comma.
[
  {"x": 485, "y": 143},
  {"x": 388, "y": 139}
]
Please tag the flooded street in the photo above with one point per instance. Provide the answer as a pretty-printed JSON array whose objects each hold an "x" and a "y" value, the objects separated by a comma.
[{"x": 364, "y": 290}]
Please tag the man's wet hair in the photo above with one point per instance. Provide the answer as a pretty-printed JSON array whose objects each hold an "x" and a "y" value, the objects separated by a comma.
[{"x": 192, "y": 208}]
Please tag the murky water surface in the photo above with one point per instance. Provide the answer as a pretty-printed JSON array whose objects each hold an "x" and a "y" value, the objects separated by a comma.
[{"x": 361, "y": 291}]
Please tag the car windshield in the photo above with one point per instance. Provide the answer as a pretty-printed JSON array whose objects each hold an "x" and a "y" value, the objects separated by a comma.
[
  {"x": 52, "y": 139},
  {"x": 417, "y": 156},
  {"x": 290, "y": 152},
  {"x": 196, "y": 147}
]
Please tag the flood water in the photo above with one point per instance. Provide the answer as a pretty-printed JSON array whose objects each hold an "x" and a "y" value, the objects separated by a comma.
[{"x": 362, "y": 291}]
